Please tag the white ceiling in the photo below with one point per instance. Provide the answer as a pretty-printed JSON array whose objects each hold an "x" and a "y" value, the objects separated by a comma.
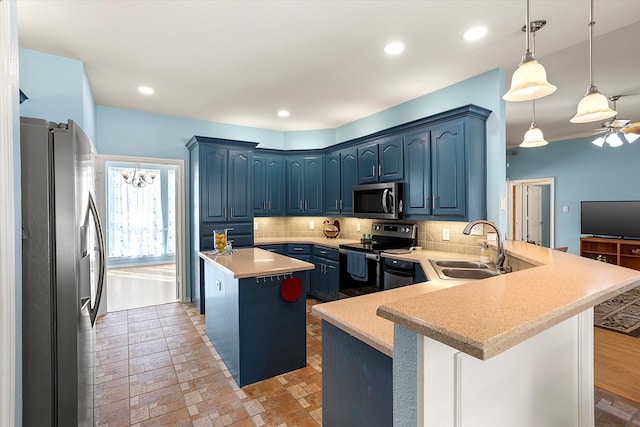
[{"x": 240, "y": 62}]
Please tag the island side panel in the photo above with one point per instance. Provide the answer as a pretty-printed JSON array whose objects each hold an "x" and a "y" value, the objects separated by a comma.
[
  {"x": 272, "y": 330},
  {"x": 357, "y": 385},
  {"x": 222, "y": 317}
]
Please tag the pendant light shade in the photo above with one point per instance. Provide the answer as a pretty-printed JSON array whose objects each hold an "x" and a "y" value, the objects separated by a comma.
[
  {"x": 533, "y": 138},
  {"x": 594, "y": 107},
  {"x": 529, "y": 81}
]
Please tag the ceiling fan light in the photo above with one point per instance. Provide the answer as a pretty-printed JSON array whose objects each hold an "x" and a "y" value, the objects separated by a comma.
[
  {"x": 594, "y": 107},
  {"x": 631, "y": 137},
  {"x": 529, "y": 81},
  {"x": 533, "y": 138},
  {"x": 599, "y": 141},
  {"x": 614, "y": 140}
]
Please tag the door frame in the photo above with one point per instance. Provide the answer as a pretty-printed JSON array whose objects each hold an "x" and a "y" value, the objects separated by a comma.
[
  {"x": 514, "y": 195},
  {"x": 181, "y": 250}
]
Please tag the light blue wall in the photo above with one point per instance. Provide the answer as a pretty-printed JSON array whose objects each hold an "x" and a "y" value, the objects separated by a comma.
[
  {"x": 58, "y": 90},
  {"x": 582, "y": 171}
]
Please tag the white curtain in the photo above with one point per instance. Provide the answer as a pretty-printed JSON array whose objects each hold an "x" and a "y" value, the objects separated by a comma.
[
  {"x": 171, "y": 213},
  {"x": 134, "y": 216}
]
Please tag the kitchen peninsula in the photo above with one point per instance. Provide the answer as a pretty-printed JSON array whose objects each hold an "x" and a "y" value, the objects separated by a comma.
[
  {"x": 256, "y": 312},
  {"x": 515, "y": 349}
]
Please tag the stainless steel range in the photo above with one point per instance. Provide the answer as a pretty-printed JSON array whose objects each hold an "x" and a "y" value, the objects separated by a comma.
[{"x": 360, "y": 263}]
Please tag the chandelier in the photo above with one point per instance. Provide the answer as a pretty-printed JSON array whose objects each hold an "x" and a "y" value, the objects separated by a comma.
[{"x": 140, "y": 178}]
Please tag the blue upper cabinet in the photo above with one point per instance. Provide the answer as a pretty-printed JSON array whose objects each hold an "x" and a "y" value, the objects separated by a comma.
[
  {"x": 268, "y": 185},
  {"x": 445, "y": 167},
  {"x": 240, "y": 186},
  {"x": 391, "y": 165},
  {"x": 448, "y": 169},
  {"x": 305, "y": 185},
  {"x": 381, "y": 161},
  {"x": 332, "y": 195},
  {"x": 368, "y": 163},
  {"x": 348, "y": 178},
  {"x": 213, "y": 172},
  {"x": 417, "y": 163}
]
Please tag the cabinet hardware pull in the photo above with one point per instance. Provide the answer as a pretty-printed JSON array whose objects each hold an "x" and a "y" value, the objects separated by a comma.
[
  {"x": 336, "y": 203},
  {"x": 264, "y": 205},
  {"x": 323, "y": 252},
  {"x": 269, "y": 204},
  {"x": 341, "y": 204},
  {"x": 306, "y": 205},
  {"x": 230, "y": 212},
  {"x": 379, "y": 170},
  {"x": 373, "y": 170},
  {"x": 225, "y": 212},
  {"x": 298, "y": 249},
  {"x": 300, "y": 204}
]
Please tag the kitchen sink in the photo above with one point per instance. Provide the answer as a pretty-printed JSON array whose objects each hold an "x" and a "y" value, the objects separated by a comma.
[
  {"x": 460, "y": 269},
  {"x": 460, "y": 264},
  {"x": 468, "y": 273}
]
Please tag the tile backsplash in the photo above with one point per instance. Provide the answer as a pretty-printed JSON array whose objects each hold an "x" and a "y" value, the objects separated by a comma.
[{"x": 430, "y": 233}]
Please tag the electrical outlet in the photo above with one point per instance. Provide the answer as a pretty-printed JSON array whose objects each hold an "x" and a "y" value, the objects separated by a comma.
[
  {"x": 255, "y": 225},
  {"x": 312, "y": 225},
  {"x": 445, "y": 234},
  {"x": 477, "y": 230},
  {"x": 357, "y": 226},
  {"x": 565, "y": 209}
]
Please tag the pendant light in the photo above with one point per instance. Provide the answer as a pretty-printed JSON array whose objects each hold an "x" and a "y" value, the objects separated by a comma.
[
  {"x": 594, "y": 106},
  {"x": 533, "y": 137},
  {"x": 529, "y": 81}
]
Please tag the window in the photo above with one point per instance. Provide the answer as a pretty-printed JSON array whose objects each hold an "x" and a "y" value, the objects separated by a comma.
[{"x": 134, "y": 217}]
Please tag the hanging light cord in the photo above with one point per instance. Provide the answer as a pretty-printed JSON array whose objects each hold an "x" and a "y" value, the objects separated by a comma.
[{"x": 591, "y": 24}]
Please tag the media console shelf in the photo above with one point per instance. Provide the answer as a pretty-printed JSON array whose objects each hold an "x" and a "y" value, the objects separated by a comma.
[{"x": 614, "y": 251}]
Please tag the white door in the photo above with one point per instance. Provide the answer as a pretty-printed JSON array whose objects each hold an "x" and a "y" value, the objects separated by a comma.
[{"x": 533, "y": 211}]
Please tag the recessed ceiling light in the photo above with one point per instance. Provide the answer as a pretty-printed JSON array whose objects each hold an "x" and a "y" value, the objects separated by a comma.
[
  {"x": 145, "y": 90},
  {"x": 395, "y": 48},
  {"x": 475, "y": 33},
  {"x": 283, "y": 113}
]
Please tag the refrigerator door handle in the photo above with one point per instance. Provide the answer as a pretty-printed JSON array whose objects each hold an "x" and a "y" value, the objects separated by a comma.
[{"x": 93, "y": 310}]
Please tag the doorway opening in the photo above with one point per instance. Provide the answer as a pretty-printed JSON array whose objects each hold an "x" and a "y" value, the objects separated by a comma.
[
  {"x": 531, "y": 211},
  {"x": 144, "y": 229}
]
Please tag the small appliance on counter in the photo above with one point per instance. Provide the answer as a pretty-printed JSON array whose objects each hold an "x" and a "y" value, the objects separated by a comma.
[{"x": 331, "y": 231}]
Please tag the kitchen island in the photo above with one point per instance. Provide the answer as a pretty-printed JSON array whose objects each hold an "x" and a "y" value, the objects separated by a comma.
[
  {"x": 256, "y": 312},
  {"x": 515, "y": 349}
]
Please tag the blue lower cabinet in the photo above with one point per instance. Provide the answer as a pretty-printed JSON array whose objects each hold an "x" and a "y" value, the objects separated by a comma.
[
  {"x": 303, "y": 253},
  {"x": 325, "y": 283},
  {"x": 277, "y": 248},
  {"x": 357, "y": 382}
]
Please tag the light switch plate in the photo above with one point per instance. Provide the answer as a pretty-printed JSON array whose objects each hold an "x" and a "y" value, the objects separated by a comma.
[
  {"x": 357, "y": 226},
  {"x": 445, "y": 234},
  {"x": 312, "y": 226},
  {"x": 255, "y": 225}
]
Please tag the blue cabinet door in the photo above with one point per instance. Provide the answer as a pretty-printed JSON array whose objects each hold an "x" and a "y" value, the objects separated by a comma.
[
  {"x": 275, "y": 188},
  {"x": 391, "y": 160},
  {"x": 332, "y": 183},
  {"x": 313, "y": 180},
  {"x": 259, "y": 185},
  {"x": 448, "y": 168},
  {"x": 368, "y": 163},
  {"x": 331, "y": 279},
  {"x": 240, "y": 186},
  {"x": 295, "y": 185},
  {"x": 348, "y": 178},
  {"x": 417, "y": 184},
  {"x": 213, "y": 184}
]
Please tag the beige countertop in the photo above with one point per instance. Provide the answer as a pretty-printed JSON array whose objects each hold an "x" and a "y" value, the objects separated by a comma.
[
  {"x": 254, "y": 262},
  {"x": 486, "y": 317}
]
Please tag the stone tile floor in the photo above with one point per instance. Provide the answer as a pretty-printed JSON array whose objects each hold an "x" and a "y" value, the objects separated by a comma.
[{"x": 156, "y": 367}]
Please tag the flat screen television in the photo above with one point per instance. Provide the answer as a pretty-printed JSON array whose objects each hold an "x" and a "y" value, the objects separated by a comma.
[{"x": 611, "y": 218}]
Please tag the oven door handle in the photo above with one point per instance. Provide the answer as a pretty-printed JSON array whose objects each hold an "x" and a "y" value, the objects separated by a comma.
[{"x": 368, "y": 255}]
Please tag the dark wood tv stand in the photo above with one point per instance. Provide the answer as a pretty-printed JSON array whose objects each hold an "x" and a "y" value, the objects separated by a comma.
[{"x": 614, "y": 251}]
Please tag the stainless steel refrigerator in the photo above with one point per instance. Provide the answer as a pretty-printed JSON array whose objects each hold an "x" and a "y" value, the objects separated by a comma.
[{"x": 62, "y": 273}]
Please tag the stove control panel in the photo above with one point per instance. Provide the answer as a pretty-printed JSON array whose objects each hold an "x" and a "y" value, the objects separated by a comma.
[{"x": 406, "y": 231}]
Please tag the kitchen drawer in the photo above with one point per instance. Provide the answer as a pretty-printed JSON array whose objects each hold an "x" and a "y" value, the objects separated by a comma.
[
  {"x": 293, "y": 249},
  {"x": 235, "y": 228},
  {"x": 324, "y": 252},
  {"x": 277, "y": 248}
]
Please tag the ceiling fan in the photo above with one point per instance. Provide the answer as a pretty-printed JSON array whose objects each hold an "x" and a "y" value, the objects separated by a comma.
[{"x": 617, "y": 131}]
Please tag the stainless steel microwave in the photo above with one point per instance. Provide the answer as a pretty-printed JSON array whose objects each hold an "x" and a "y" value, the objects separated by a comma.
[{"x": 383, "y": 200}]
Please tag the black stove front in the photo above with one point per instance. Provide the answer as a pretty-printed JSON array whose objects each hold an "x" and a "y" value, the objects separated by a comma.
[{"x": 360, "y": 266}]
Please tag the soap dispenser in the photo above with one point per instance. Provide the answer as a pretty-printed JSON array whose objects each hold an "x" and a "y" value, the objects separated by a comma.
[{"x": 484, "y": 252}]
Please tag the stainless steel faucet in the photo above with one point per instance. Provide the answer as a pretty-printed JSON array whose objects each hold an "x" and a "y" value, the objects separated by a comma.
[{"x": 501, "y": 256}]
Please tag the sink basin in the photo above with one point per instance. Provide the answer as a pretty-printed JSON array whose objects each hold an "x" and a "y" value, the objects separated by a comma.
[
  {"x": 461, "y": 264},
  {"x": 468, "y": 273}
]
